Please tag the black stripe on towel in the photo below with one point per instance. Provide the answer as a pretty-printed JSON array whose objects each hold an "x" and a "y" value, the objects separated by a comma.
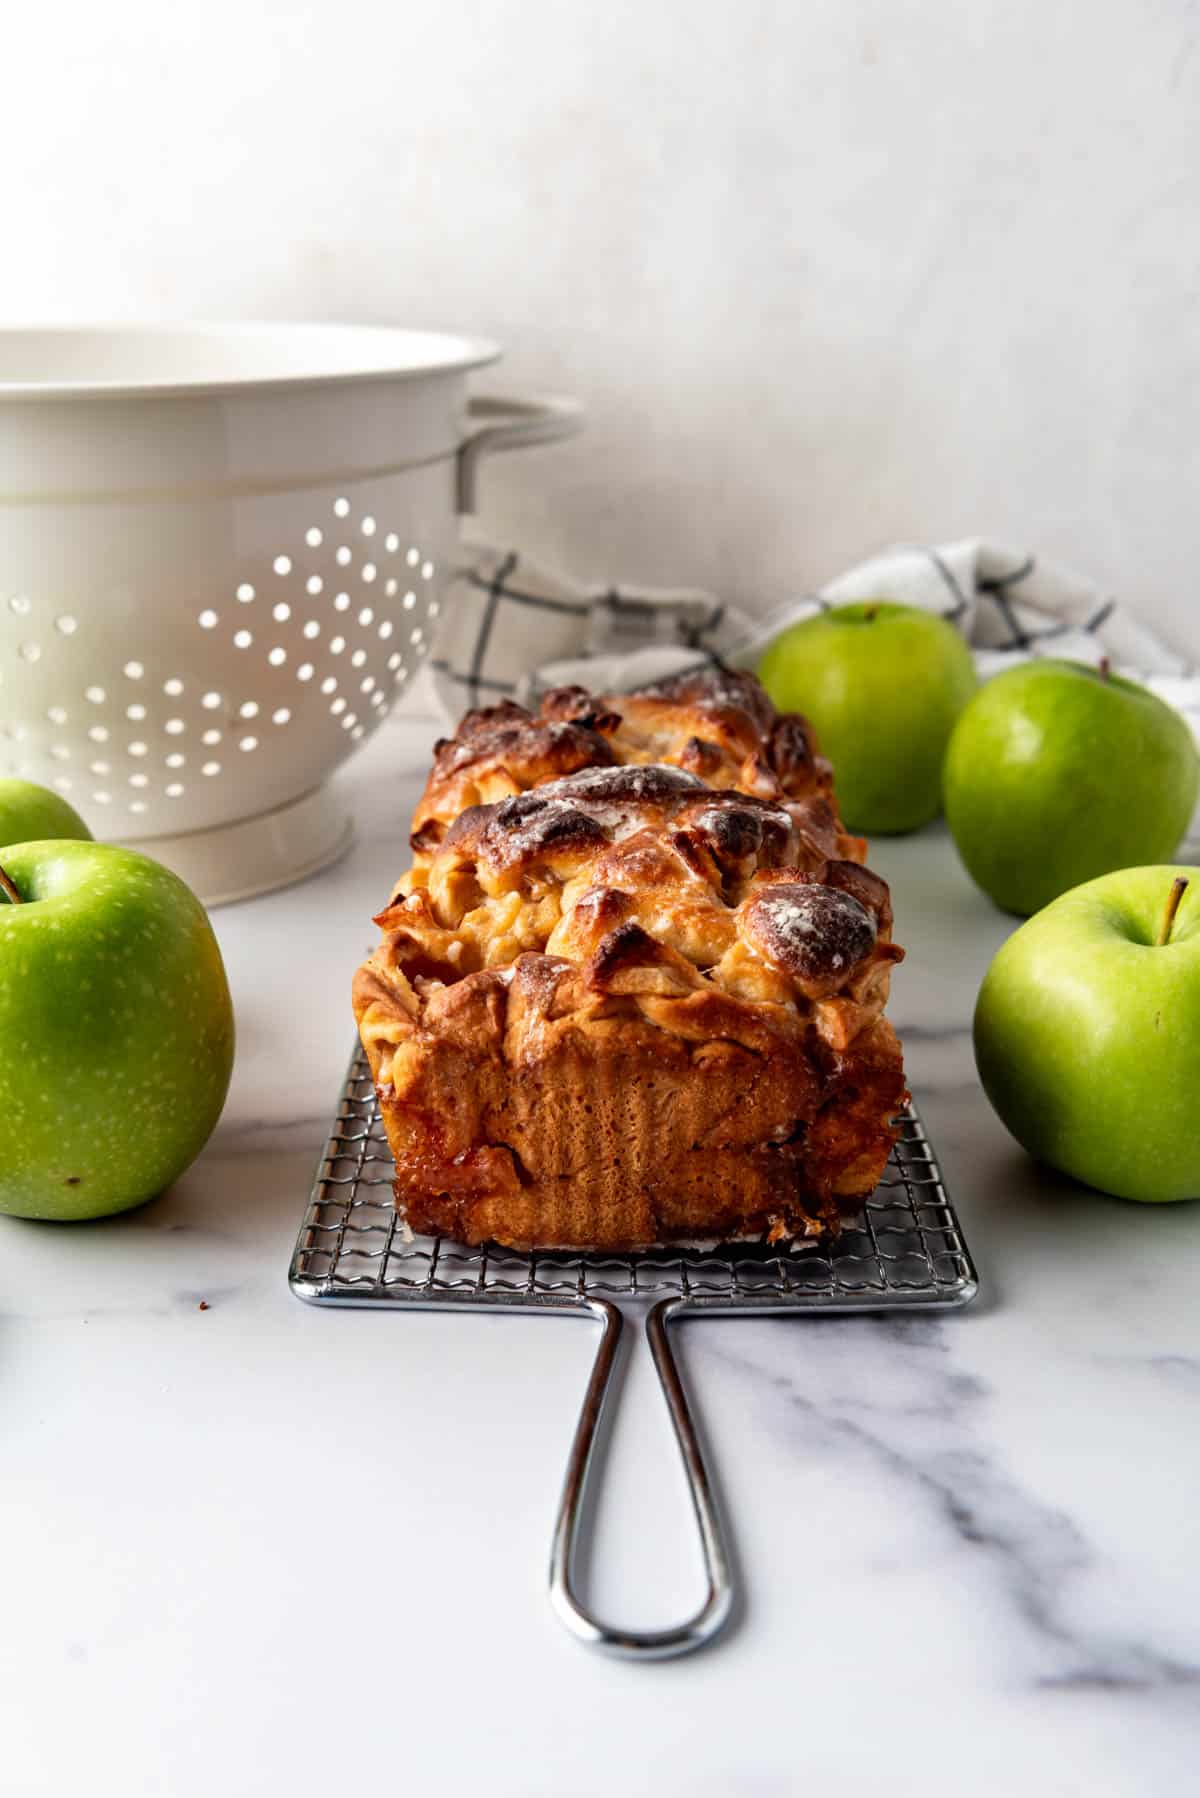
[
  {"x": 494, "y": 591},
  {"x": 693, "y": 634},
  {"x": 1019, "y": 639},
  {"x": 1101, "y": 615},
  {"x": 961, "y": 602},
  {"x": 575, "y": 607},
  {"x": 997, "y": 583},
  {"x": 473, "y": 680}
]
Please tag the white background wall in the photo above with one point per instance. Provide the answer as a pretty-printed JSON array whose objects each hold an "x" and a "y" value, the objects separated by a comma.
[{"x": 825, "y": 274}]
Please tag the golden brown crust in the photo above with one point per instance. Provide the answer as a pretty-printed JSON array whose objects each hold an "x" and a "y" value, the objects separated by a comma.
[
  {"x": 615, "y": 1006},
  {"x": 717, "y": 725},
  {"x": 473, "y": 767}
]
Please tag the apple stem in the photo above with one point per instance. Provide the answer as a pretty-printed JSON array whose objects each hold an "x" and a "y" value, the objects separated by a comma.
[
  {"x": 7, "y": 887},
  {"x": 1104, "y": 667},
  {"x": 871, "y": 613},
  {"x": 1179, "y": 887}
]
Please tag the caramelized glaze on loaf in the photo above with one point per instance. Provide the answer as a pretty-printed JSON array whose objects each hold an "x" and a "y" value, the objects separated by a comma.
[
  {"x": 719, "y": 726},
  {"x": 632, "y": 988}
]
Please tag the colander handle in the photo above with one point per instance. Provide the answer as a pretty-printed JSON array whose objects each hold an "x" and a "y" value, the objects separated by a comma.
[{"x": 505, "y": 423}]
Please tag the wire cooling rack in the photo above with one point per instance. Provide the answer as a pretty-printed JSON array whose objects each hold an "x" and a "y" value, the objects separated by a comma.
[{"x": 906, "y": 1252}]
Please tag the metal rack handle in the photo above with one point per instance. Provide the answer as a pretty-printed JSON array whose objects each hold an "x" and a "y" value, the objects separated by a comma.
[{"x": 681, "y": 1638}]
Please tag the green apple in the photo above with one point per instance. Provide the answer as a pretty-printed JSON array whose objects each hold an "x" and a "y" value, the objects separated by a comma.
[
  {"x": 116, "y": 1029},
  {"x": 1057, "y": 773},
  {"x": 883, "y": 685},
  {"x": 1087, "y": 1033},
  {"x": 28, "y": 811}
]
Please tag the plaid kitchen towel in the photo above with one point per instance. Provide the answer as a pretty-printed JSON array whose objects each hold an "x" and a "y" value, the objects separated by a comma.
[{"x": 513, "y": 629}]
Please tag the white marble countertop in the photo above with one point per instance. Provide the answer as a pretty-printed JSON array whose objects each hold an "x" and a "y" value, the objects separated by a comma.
[{"x": 259, "y": 1548}]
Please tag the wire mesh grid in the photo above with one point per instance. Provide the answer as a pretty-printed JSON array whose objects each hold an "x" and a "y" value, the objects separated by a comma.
[{"x": 906, "y": 1250}]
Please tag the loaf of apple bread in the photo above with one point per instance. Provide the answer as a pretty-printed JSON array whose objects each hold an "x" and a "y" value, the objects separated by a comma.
[{"x": 632, "y": 989}]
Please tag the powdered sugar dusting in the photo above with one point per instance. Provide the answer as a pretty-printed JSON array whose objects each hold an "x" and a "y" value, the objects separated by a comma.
[
  {"x": 816, "y": 933},
  {"x": 642, "y": 782},
  {"x": 585, "y": 810}
]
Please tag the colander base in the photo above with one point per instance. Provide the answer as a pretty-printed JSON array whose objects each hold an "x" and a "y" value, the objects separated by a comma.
[{"x": 257, "y": 855}]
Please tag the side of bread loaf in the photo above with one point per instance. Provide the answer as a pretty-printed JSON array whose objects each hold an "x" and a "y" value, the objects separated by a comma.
[{"x": 637, "y": 998}]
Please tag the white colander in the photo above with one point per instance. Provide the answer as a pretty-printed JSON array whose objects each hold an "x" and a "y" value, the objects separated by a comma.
[{"x": 224, "y": 550}]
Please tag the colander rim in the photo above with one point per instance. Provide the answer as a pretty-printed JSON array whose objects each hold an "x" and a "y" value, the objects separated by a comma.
[{"x": 354, "y": 354}]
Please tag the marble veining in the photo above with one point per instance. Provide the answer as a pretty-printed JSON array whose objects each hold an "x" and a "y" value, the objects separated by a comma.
[{"x": 923, "y": 1434}]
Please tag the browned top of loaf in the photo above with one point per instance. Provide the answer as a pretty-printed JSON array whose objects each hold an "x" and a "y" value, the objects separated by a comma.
[
  {"x": 674, "y": 857},
  {"x": 713, "y": 914},
  {"x": 716, "y": 724}
]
